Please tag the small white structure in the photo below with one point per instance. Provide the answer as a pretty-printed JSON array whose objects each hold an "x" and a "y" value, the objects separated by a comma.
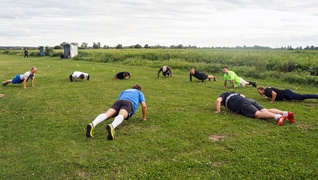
[{"x": 70, "y": 50}]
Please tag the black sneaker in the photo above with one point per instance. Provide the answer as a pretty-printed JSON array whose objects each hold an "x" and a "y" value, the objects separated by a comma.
[
  {"x": 254, "y": 85},
  {"x": 111, "y": 132},
  {"x": 89, "y": 130}
]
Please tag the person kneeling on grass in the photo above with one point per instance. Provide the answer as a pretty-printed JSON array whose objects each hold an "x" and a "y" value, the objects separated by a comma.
[
  {"x": 125, "y": 107},
  {"x": 200, "y": 75},
  {"x": 79, "y": 75},
  {"x": 122, "y": 75},
  {"x": 237, "y": 103},
  {"x": 22, "y": 78}
]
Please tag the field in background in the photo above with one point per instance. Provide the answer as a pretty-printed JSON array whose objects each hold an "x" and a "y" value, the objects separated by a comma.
[{"x": 43, "y": 128}]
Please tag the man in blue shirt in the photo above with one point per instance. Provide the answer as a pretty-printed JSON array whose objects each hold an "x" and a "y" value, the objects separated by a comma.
[{"x": 125, "y": 107}]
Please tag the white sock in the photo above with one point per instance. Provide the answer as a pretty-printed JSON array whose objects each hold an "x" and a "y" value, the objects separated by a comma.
[
  {"x": 100, "y": 118},
  {"x": 118, "y": 120},
  {"x": 277, "y": 116},
  {"x": 285, "y": 113}
]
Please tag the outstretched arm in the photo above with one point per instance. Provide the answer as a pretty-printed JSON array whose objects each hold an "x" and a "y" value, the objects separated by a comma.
[
  {"x": 24, "y": 83},
  {"x": 144, "y": 111},
  {"x": 159, "y": 71},
  {"x": 32, "y": 82},
  {"x": 218, "y": 105},
  {"x": 273, "y": 96}
]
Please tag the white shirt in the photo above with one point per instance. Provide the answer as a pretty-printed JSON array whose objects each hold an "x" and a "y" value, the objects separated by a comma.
[
  {"x": 76, "y": 74},
  {"x": 26, "y": 75}
]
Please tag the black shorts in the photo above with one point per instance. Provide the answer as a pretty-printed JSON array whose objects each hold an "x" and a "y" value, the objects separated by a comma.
[
  {"x": 123, "y": 104},
  {"x": 250, "y": 107}
]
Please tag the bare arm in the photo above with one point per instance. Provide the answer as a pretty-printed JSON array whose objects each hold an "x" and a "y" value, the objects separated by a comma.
[
  {"x": 225, "y": 83},
  {"x": 144, "y": 111},
  {"x": 159, "y": 71},
  {"x": 24, "y": 83},
  {"x": 273, "y": 96},
  {"x": 218, "y": 105},
  {"x": 32, "y": 82}
]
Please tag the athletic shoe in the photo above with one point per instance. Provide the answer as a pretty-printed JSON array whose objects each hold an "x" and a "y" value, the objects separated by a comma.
[
  {"x": 89, "y": 130},
  {"x": 281, "y": 120},
  {"x": 214, "y": 78},
  {"x": 111, "y": 132},
  {"x": 291, "y": 117},
  {"x": 254, "y": 85},
  {"x": 4, "y": 83}
]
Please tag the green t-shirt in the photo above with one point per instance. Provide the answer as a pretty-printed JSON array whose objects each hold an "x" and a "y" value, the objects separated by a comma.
[{"x": 232, "y": 76}]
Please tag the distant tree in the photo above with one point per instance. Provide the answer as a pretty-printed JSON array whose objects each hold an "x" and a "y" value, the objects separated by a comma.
[
  {"x": 63, "y": 43},
  {"x": 96, "y": 45},
  {"x": 106, "y": 47},
  {"x": 146, "y": 46},
  {"x": 119, "y": 46},
  {"x": 138, "y": 46},
  {"x": 84, "y": 45},
  {"x": 48, "y": 51},
  {"x": 180, "y": 46},
  {"x": 57, "y": 47}
]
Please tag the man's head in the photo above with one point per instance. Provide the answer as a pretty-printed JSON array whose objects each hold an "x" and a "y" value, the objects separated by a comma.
[
  {"x": 225, "y": 69},
  {"x": 192, "y": 70},
  {"x": 136, "y": 86},
  {"x": 81, "y": 76},
  {"x": 164, "y": 68},
  {"x": 33, "y": 70},
  {"x": 261, "y": 90}
]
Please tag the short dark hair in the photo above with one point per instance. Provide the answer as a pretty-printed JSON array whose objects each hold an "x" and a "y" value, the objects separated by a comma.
[
  {"x": 136, "y": 86},
  {"x": 224, "y": 67},
  {"x": 261, "y": 88},
  {"x": 82, "y": 76}
]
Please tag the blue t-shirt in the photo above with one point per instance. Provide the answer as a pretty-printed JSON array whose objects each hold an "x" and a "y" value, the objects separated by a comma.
[{"x": 134, "y": 96}]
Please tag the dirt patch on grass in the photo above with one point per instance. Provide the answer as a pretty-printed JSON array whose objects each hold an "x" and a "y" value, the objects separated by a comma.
[
  {"x": 217, "y": 137},
  {"x": 304, "y": 126}
]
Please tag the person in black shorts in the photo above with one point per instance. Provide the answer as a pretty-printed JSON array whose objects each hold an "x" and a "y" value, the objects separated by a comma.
[
  {"x": 286, "y": 94},
  {"x": 125, "y": 107},
  {"x": 122, "y": 75},
  {"x": 200, "y": 75},
  {"x": 237, "y": 103},
  {"x": 166, "y": 71}
]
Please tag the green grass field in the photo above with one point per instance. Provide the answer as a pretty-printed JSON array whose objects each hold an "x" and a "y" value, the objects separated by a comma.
[{"x": 43, "y": 128}]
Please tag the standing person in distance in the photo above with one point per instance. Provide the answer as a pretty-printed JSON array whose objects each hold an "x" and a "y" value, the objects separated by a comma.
[
  {"x": 26, "y": 53},
  {"x": 125, "y": 107},
  {"x": 200, "y": 75},
  {"x": 166, "y": 71},
  {"x": 231, "y": 77}
]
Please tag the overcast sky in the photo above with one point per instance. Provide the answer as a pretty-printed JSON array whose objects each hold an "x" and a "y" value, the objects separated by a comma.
[{"x": 202, "y": 23}]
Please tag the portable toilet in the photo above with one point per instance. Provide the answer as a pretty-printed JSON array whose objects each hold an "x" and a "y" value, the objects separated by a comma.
[{"x": 70, "y": 50}]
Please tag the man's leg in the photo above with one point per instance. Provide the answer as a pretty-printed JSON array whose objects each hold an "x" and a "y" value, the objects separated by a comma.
[
  {"x": 123, "y": 114},
  {"x": 100, "y": 118}
]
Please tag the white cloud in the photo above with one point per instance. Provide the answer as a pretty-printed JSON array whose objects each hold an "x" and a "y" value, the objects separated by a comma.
[{"x": 272, "y": 23}]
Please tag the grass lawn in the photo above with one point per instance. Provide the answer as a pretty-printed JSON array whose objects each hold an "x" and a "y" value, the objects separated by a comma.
[{"x": 43, "y": 128}]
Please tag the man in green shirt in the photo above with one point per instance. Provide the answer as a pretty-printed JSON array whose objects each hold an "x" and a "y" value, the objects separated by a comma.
[{"x": 230, "y": 76}]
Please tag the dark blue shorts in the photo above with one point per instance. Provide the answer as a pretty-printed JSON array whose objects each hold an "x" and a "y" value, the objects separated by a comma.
[{"x": 17, "y": 80}]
